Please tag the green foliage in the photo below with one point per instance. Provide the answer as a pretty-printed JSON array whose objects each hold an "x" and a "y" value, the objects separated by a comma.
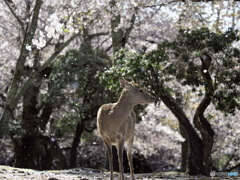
[
  {"x": 136, "y": 67},
  {"x": 65, "y": 125},
  {"x": 190, "y": 45},
  {"x": 74, "y": 83},
  {"x": 77, "y": 66},
  {"x": 128, "y": 65},
  {"x": 180, "y": 60}
]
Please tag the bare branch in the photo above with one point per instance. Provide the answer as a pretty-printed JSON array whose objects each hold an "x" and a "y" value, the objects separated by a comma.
[
  {"x": 128, "y": 30},
  {"x": 28, "y": 37},
  {"x": 12, "y": 8},
  {"x": 92, "y": 36},
  {"x": 13, "y": 91}
]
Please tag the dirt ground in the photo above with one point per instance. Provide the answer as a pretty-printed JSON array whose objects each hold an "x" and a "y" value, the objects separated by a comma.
[{"x": 10, "y": 173}]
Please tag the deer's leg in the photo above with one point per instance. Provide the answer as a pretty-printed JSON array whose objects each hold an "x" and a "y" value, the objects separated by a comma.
[
  {"x": 109, "y": 150},
  {"x": 129, "y": 156},
  {"x": 120, "y": 159}
]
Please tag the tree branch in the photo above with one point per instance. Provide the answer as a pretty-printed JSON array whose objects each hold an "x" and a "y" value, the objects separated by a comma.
[
  {"x": 3, "y": 97},
  {"x": 12, "y": 7},
  {"x": 11, "y": 102},
  {"x": 98, "y": 34},
  {"x": 228, "y": 161},
  {"x": 171, "y": 103},
  {"x": 28, "y": 39},
  {"x": 46, "y": 64},
  {"x": 199, "y": 120},
  {"x": 128, "y": 30},
  {"x": 234, "y": 167}
]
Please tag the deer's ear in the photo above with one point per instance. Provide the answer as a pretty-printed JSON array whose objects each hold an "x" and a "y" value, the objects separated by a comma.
[{"x": 125, "y": 84}]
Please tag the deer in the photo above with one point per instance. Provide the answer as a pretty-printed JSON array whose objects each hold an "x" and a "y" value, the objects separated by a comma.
[{"x": 116, "y": 121}]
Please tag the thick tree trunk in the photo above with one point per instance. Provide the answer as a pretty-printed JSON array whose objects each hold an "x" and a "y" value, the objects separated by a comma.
[
  {"x": 26, "y": 150},
  {"x": 27, "y": 145},
  {"x": 30, "y": 121},
  {"x": 45, "y": 116},
  {"x": 31, "y": 148},
  {"x": 199, "y": 119},
  {"x": 40, "y": 153},
  {"x": 12, "y": 98},
  {"x": 206, "y": 133}
]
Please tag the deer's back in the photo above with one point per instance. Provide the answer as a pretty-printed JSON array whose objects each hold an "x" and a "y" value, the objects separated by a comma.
[{"x": 108, "y": 128}]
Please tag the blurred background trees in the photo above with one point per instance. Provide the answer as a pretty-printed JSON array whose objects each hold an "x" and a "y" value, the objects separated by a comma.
[{"x": 60, "y": 61}]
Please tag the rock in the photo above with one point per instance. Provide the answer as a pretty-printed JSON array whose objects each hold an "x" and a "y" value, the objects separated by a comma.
[{"x": 52, "y": 178}]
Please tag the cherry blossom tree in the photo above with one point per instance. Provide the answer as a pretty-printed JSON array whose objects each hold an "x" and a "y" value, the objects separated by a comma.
[
  {"x": 45, "y": 29},
  {"x": 34, "y": 33}
]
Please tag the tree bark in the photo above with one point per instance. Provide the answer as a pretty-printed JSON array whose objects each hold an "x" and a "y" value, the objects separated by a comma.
[
  {"x": 27, "y": 145},
  {"x": 11, "y": 100},
  {"x": 184, "y": 148},
  {"x": 31, "y": 139},
  {"x": 32, "y": 150},
  {"x": 26, "y": 152},
  {"x": 45, "y": 152},
  {"x": 120, "y": 36},
  {"x": 76, "y": 141},
  {"x": 195, "y": 144},
  {"x": 199, "y": 119},
  {"x": 46, "y": 113}
]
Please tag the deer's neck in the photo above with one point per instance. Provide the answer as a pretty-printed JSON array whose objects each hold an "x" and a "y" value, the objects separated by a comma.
[{"x": 124, "y": 106}]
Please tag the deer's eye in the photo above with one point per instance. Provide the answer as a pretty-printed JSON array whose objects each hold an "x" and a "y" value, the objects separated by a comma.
[{"x": 140, "y": 90}]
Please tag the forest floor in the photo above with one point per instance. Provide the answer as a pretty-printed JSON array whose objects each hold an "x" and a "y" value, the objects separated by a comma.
[{"x": 10, "y": 173}]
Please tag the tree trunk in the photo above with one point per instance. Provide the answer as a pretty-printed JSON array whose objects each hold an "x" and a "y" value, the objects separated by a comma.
[
  {"x": 119, "y": 35},
  {"x": 199, "y": 119},
  {"x": 26, "y": 149},
  {"x": 31, "y": 148},
  {"x": 6, "y": 115},
  {"x": 52, "y": 147},
  {"x": 184, "y": 148},
  {"x": 11, "y": 101},
  {"x": 27, "y": 145},
  {"x": 195, "y": 144},
  {"x": 40, "y": 153},
  {"x": 195, "y": 161},
  {"x": 45, "y": 116},
  {"x": 78, "y": 133}
]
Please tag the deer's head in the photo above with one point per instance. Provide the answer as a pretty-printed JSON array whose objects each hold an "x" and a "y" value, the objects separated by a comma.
[{"x": 135, "y": 93}]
